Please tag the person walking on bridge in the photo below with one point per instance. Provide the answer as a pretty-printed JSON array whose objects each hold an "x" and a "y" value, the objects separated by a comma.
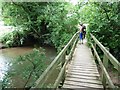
[{"x": 82, "y": 33}]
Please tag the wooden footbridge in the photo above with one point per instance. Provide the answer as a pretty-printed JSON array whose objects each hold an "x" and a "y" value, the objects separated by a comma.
[{"x": 75, "y": 67}]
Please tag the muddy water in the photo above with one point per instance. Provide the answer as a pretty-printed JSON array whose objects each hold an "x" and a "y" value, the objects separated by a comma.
[{"x": 8, "y": 55}]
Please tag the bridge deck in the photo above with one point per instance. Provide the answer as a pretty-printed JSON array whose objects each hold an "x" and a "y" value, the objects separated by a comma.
[{"x": 82, "y": 71}]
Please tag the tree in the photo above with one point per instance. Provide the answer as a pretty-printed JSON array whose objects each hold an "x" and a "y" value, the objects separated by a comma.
[
  {"x": 46, "y": 22},
  {"x": 25, "y": 70},
  {"x": 103, "y": 20}
]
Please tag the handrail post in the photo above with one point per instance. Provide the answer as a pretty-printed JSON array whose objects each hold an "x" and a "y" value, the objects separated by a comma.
[
  {"x": 94, "y": 52},
  {"x": 94, "y": 44},
  {"x": 63, "y": 59},
  {"x": 63, "y": 62},
  {"x": 105, "y": 63}
]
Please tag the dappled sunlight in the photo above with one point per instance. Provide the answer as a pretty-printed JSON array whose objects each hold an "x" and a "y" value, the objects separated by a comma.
[
  {"x": 5, "y": 29},
  {"x": 3, "y": 66},
  {"x": 74, "y": 2}
]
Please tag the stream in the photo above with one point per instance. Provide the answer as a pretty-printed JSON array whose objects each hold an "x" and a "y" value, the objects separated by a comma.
[{"x": 7, "y": 56}]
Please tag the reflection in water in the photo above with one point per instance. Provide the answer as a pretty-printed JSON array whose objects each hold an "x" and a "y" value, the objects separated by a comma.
[
  {"x": 7, "y": 56},
  {"x": 3, "y": 66}
]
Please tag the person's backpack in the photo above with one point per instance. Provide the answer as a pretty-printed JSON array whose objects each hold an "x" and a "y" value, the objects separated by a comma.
[{"x": 83, "y": 27}]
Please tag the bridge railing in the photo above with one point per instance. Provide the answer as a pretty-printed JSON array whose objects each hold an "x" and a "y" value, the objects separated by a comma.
[
  {"x": 59, "y": 62},
  {"x": 107, "y": 57}
]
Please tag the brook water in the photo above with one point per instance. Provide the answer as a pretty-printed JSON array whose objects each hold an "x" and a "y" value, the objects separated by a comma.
[{"x": 7, "y": 55}]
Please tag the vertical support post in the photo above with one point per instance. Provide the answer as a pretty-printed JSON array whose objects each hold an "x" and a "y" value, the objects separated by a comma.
[
  {"x": 70, "y": 54},
  {"x": 64, "y": 74},
  {"x": 118, "y": 74},
  {"x": 105, "y": 63},
  {"x": 94, "y": 52},
  {"x": 63, "y": 59}
]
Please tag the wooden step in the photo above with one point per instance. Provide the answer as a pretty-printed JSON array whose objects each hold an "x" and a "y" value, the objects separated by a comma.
[
  {"x": 84, "y": 80},
  {"x": 81, "y": 77},
  {"x": 89, "y": 67},
  {"x": 83, "y": 71},
  {"x": 83, "y": 84},
  {"x": 83, "y": 74},
  {"x": 72, "y": 86}
]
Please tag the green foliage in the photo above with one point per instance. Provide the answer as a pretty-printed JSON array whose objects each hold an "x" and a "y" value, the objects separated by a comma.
[
  {"x": 45, "y": 22},
  {"x": 14, "y": 38},
  {"x": 104, "y": 23},
  {"x": 55, "y": 23},
  {"x": 25, "y": 70}
]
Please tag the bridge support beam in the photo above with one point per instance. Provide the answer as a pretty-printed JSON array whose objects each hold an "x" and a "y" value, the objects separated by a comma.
[{"x": 105, "y": 63}]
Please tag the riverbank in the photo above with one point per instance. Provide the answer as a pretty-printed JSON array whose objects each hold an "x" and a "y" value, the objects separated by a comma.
[{"x": 2, "y": 46}]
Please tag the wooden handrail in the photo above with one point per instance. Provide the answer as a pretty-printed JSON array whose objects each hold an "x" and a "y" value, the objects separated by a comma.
[
  {"x": 103, "y": 69},
  {"x": 112, "y": 59},
  {"x": 64, "y": 66},
  {"x": 41, "y": 81},
  {"x": 108, "y": 56}
]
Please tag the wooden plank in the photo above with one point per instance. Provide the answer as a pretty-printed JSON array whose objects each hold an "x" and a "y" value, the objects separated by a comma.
[
  {"x": 85, "y": 84},
  {"x": 83, "y": 74},
  {"x": 90, "y": 60},
  {"x": 85, "y": 67},
  {"x": 72, "y": 86},
  {"x": 87, "y": 72},
  {"x": 77, "y": 76},
  {"x": 85, "y": 80},
  {"x": 84, "y": 64}
]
